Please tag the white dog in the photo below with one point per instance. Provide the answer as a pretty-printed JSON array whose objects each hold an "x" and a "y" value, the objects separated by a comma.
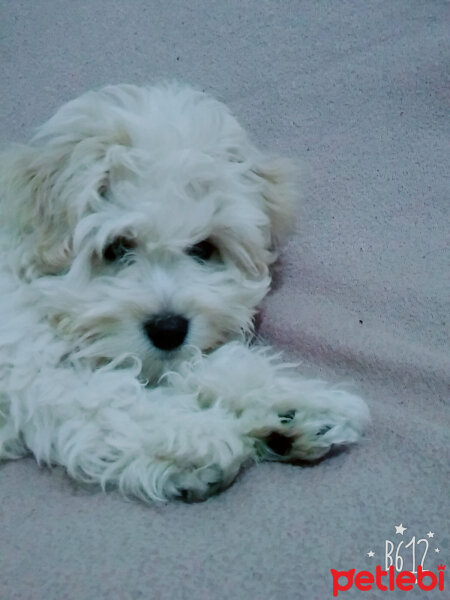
[{"x": 137, "y": 231}]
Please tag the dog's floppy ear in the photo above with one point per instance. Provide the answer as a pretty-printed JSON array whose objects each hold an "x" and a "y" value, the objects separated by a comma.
[
  {"x": 277, "y": 178},
  {"x": 48, "y": 185},
  {"x": 28, "y": 178},
  {"x": 257, "y": 233}
]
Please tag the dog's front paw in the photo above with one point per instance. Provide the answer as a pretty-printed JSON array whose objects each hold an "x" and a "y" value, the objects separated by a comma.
[
  {"x": 209, "y": 467},
  {"x": 196, "y": 485},
  {"x": 310, "y": 431}
]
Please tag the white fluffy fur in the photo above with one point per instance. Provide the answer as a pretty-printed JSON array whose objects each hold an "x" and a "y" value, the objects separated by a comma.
[{"x": 81, "y": 384}]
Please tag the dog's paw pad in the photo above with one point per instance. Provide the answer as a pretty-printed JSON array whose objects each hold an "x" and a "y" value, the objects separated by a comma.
[
  {"x": 287, "y": 416},
  {"x": 199, "y": 484},
  {"x": 278, "y": 443},
  {"x": 184, "y": 495},
  {"x": 324, "y": 429}
]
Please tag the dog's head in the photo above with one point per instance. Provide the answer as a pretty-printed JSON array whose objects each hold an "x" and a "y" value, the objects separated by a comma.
[{"x": 147, "y": 220}]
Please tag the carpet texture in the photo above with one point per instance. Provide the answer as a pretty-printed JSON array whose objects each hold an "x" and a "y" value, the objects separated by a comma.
[{"x": 358, "y": 93}]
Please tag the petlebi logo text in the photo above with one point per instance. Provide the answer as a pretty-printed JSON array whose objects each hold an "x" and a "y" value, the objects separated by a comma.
[{"x": 407, "y": 562}]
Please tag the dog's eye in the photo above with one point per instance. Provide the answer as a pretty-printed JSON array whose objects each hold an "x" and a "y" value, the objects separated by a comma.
[
  {"x": 118, "y": 249},
  {"x": 201, "y": 251}
]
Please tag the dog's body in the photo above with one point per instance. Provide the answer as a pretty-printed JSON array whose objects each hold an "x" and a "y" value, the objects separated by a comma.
[{"x": 137, "y": 231}]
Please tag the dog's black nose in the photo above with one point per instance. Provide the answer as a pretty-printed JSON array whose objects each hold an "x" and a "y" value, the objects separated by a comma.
[{"x": 167, "y": 331}]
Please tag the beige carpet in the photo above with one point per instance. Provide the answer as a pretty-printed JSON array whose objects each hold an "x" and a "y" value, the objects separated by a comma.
[{"x": 358, "y": 91}]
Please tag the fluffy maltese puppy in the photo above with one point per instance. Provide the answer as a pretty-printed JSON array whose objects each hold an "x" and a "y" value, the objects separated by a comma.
[{"x": 137, "y": 232}]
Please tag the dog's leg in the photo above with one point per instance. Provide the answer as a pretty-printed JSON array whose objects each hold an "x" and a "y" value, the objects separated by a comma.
[
  {"x": 106, "y": 428},
  {"x": 289, "y": 418}
]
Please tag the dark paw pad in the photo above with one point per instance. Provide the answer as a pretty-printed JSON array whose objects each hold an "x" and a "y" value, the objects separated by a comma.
[
  {"x": 287, "y": 416},
  {"x": 184, "y": 495},
  {"x": 323, "y": 430},
  {"x": 191, "y": 497},
  {"x": 280, "y": 444}
]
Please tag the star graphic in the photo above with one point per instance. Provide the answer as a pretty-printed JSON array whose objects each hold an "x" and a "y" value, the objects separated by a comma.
[
  {"x": 400, "y": 529},
  {"x": 437, "y": 550},
  {"x": 430, "y": 534},
  {"x": 370, "y": 554}
]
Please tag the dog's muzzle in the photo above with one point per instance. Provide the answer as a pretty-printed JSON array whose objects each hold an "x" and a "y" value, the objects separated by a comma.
[{"x": 167, "y": 331}]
